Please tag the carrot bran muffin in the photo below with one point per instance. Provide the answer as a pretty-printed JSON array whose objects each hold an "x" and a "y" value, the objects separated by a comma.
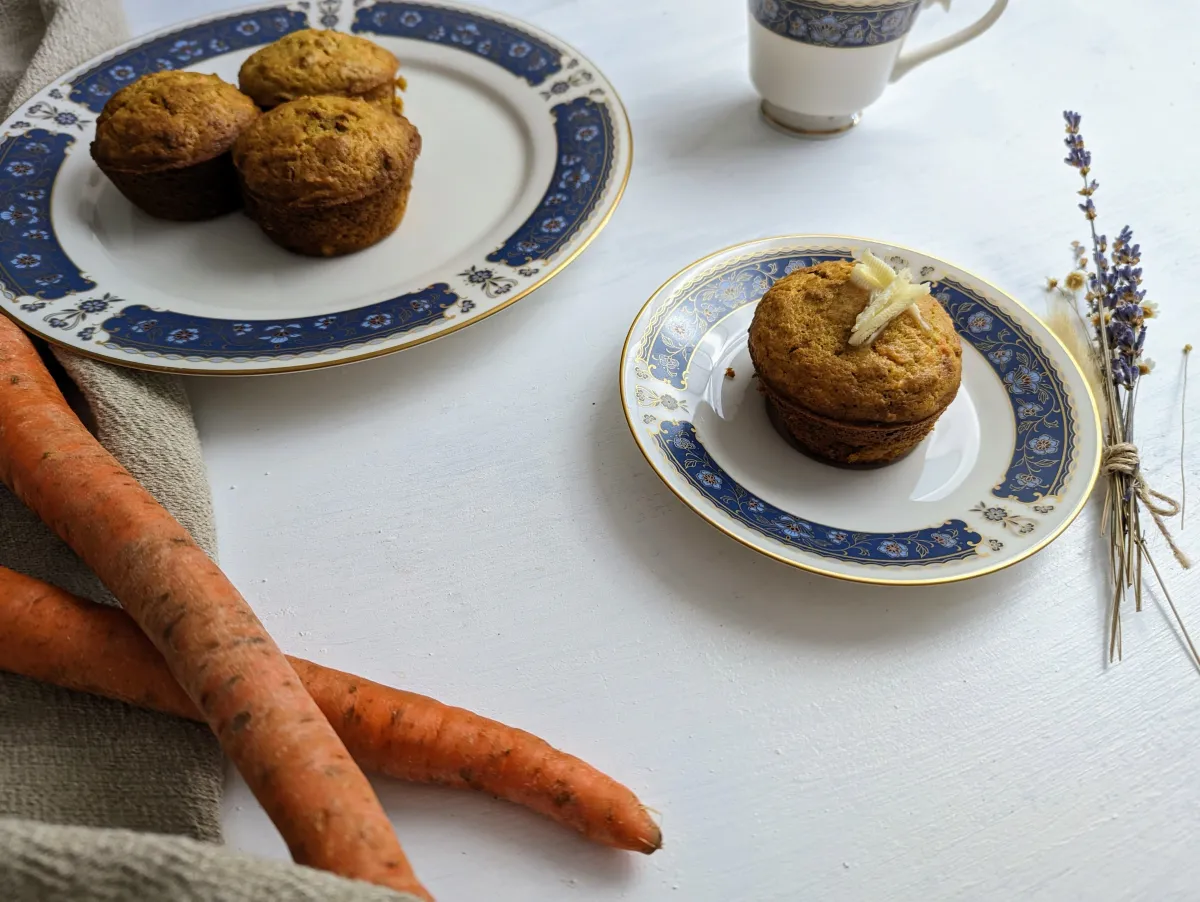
[
  {"x": 857, "y": 406},
  {"x": 311, "y": 62},
  {"x": 165, "y": 141},
  {"x": 326, "y": 176}
]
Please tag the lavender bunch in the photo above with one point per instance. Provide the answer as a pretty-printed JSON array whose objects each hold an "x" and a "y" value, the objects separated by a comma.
[
  {"x": 1115, "y": 312},
  {"x": 1115, "y": 297}
]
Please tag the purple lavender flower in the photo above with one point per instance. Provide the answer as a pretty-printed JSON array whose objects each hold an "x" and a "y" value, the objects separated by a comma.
[
  {"x": 1124, "y": 373},
  {"x": 1077, "y": 155},
  {"x": 1114, "y": 293},
  {"x": 1124, "y": 241},
  {"x": 1128, "y": 313},
  {"x": 1121, "y": 334}
]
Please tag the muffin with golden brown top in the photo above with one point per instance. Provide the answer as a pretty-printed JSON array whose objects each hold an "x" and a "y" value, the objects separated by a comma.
[
  {"x": 313, "y": 62},
  {"x": 165, "y": 142},
  {"x": 326, "y": 176},
  {"x": 866, "y": 404}
]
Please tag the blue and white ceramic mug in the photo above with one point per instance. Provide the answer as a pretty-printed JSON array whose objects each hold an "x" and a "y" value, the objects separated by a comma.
[{"x": 818, "y": 63}]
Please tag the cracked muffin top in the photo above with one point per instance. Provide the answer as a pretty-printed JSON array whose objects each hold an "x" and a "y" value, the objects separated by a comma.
[
  {"x": 799, "y": 341},
  {"x": 167, "y": 120},
  {"x": 320, "y": 150},
  {"x": 311, "y": 62}
]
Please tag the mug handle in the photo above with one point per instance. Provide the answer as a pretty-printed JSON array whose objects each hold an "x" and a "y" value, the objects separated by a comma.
[{"x": 913, "y": 58}]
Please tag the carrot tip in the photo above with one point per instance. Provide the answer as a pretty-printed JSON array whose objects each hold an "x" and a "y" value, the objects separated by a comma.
[{"x": 654, "y": 844}]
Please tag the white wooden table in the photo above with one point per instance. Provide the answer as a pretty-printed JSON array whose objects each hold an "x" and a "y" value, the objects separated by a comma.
[{"x": 470, "y": 519}]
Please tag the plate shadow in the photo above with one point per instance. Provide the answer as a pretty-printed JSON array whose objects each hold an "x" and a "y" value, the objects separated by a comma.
[{"x": 731, "y": 583}]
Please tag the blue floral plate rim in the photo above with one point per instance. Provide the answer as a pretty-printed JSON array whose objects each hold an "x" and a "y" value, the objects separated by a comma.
[
  {"x": 548, "y": 67},
  {"x": 1083, "y": 427}
]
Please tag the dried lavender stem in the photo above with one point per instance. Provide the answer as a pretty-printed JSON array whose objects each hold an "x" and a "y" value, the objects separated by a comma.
[
  {"x": 1133, "y": 523},
  {"x": 1174, "y": 611},
  {"x": 1117, "y": 310},
  {"x": 1187, "y": 353},
  {"x": 1114, "y": 642},
  {"x": 1141, "y": 556}
]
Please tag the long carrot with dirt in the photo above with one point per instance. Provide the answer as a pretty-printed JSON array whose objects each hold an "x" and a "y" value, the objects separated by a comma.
[
  {"x": 50, "y": 635},
  {"x": 214, "y": 645}
]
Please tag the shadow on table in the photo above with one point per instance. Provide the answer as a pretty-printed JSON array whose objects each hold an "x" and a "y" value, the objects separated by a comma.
[
  {"x": 326, "y": 397},
  {"x": 700, "y": 135},
  {"x": 734, "y": 584},
  {"x": 728, "y": 127},
  {"x": 490, "y": 827},
  {"x": 698, "y": 127}
]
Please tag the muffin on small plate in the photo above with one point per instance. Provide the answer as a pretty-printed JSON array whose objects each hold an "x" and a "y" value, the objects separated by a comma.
[
  {"x": 311, "y": 62},
  {"x": 326, "y": 176},
  {"x": 846, "y": 385},
  {"x": 165, "y": 142}
]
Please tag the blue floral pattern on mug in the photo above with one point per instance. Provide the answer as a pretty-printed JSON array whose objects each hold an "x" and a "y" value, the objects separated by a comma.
[
  {"x": 522, "y": 54},
  {"x": 184, "y": 48},
  {"x": 32, "y": 262},
  {"x": 950, "y": 541},
  {"x": 828, "y": 25}
]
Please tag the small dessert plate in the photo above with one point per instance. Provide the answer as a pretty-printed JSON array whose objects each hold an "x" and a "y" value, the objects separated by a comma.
[
  {"x": 526, "y": 150},
  {"x": 1007, "y": 468}
]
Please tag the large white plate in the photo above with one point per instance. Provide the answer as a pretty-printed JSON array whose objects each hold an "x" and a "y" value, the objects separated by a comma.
[
  {"x": 526, "y": 152},
  {"x": 1008, "y": 467}
]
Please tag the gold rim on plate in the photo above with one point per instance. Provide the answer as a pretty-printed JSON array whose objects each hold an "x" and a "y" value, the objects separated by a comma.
[
  {"x": 379, "y": 352},
  {"x": 1092, "y": 469}
]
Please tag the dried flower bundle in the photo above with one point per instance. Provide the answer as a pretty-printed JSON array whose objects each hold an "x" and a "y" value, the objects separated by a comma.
[{"x": 1107, "y": 337}]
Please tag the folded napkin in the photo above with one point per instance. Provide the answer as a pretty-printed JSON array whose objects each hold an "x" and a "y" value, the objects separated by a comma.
[
  {"x": 73, "y": 759},
  {"x": 84, "y": 864}
]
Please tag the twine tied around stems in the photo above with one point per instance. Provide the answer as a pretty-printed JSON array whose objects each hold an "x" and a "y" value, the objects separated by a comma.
[{"x": 1122, "y": 458}]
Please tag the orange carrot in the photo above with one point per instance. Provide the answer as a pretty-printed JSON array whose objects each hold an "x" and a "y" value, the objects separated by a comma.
[
  {"x": 50, "y": 635},
  {"x": 214, "y": 645}
]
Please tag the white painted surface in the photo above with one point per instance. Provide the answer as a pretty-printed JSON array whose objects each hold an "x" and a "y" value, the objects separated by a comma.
[{"x": 470, "y": 518}]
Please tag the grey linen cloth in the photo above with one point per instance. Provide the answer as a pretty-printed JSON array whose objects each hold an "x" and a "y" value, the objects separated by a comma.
[
  {"x": 68, "y": 758},
  {"x": 86, "y": 783}
]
